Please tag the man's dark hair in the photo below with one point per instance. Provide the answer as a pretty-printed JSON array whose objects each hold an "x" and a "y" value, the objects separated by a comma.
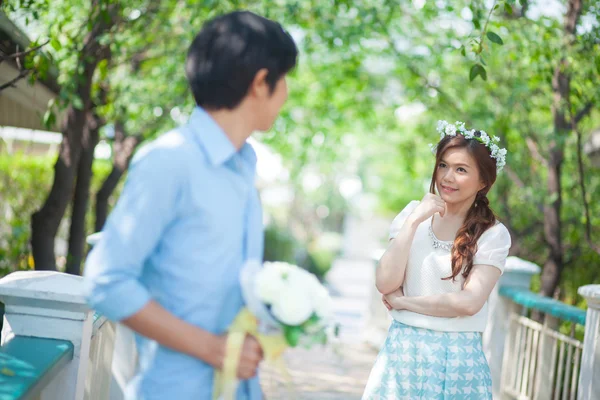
[{"x": 228, "y": 52}]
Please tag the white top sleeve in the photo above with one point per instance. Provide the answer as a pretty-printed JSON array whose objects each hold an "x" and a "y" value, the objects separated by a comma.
[
  {"x": 493, "y": 247},
  {"x": 401, "y": 218}
]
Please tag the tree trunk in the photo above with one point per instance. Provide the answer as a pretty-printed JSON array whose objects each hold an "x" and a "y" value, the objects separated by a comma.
[
  {"x": 552, "y": 225},
  {"x": 123, "y": 148},
  {"x": 82, "y": 194},
  {"x": 45, "y": 221},
  {"x": 561, "y": 89}
]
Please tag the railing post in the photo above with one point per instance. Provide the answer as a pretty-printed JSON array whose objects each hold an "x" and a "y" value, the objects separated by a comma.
[
  {"x": 51, "y": 305},
  {"x": 517, "y": 273},
  {"x": 589, "y": 378},
  {"x": 546, "y": 360}
]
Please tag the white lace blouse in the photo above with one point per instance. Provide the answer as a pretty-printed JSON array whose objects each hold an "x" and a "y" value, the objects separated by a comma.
[{"x": 429, "y": 261}]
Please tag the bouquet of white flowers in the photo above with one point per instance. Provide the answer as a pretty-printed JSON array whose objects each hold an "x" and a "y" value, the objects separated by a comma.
[
  {"x": 288, "y": 298},
  {"x": 285, "y": 306}
]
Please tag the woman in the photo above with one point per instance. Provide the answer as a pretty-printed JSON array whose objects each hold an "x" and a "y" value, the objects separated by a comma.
[{"x": 445, "y": 255}]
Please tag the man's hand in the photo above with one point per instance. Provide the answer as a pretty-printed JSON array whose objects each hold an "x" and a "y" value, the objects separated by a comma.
[
  {"x": 250, "y": 356},
  {"x": 390, "y": 300}
]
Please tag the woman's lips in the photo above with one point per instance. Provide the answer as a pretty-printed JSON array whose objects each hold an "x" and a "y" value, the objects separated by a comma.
[{"x": 448, "y": 189}]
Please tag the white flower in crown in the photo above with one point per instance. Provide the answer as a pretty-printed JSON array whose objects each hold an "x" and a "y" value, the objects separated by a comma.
[
  {"x": 485, "y": 138},
  {"x": 495, "y": 149},
  {"x": 441, "y": 126},
  {"x": 450, "y": 130},
  {"x": 446, "y": 129}
]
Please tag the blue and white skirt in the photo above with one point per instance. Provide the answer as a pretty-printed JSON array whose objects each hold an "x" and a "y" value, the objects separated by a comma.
[{"x": 417, "y": 363}]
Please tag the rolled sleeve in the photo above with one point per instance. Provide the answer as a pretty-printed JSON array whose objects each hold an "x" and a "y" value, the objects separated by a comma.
[{"x": 146, "y": 207}]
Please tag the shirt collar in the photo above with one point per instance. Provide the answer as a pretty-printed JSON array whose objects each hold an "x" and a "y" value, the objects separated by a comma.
[{"x": 216, "y": 144}]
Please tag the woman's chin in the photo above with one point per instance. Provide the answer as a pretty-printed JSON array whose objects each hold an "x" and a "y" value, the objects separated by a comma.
[{"x": 448, "y": 198}]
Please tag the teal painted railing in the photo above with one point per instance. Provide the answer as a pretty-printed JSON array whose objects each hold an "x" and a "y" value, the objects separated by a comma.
[
  {"x": 544, "y": 304},
  {"x": 28, "y": 364}
]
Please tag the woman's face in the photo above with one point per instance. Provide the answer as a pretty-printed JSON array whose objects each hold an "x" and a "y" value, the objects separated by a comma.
[{"x": 457, "y": 178}]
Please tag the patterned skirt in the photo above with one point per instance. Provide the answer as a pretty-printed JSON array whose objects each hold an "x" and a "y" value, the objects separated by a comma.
[{"x": 422, "y": 364}]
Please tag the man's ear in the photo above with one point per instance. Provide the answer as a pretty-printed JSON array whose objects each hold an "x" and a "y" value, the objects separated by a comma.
[{"x": 259, "y": 86}]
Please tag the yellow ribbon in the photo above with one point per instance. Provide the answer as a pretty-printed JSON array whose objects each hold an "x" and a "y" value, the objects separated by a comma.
[{"x": 273, "y": 347}]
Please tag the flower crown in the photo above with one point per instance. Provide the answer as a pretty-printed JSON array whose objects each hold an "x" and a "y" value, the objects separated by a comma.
[{"x": 446, "y": 129}]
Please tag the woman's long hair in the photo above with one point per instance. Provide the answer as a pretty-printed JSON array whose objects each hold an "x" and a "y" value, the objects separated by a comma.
[{"x": 480, "y": 216}]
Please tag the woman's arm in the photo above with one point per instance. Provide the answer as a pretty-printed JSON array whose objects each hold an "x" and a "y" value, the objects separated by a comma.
[
  {"x": 392, "y": 266},
  {"x": 466, "y": 302},
  {"x": 389, "y": 275}
]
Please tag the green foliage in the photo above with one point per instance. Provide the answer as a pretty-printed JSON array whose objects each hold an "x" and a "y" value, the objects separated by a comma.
[
  {"x": 373, "y": 77},
  {"x": 24, "y": 183},
  {"x": 280, "y": 245},
  {"x": 320, "y": 261}
]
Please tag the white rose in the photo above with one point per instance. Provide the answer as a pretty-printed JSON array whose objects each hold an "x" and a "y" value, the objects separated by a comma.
[
  {"x": 269, "y": 283},
  {"x": 294, "y": 305},
  {"x": 323, "y": 303}
]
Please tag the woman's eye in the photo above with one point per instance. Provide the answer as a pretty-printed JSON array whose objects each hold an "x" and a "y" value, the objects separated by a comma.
[
  {"x": 442, "y": 165},
  {"x": 462, "y": 170}
]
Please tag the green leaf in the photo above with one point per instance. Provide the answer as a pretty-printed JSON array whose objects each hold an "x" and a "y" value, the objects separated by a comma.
[
  {"x": 49, "y": 119},
  {"x": 477, "y": 70},
  {"x": 106, "y": 16},
  {"x": 77, "y": 102},
  {"x": 311, "y": 321},
  {"x": 463, "y": 51},
  {"x": 292, "y": 334},
  {"x": 55, "y": 43},
  {"x": 494, "y": 38},
  {"x": 508, "y": 8}
]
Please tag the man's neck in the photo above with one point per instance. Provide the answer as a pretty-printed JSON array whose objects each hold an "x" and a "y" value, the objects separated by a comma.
[{"x": 235, "y": 123}]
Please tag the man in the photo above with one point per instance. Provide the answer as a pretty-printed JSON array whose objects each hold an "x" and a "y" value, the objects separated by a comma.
[{"x": 167, "y": 264}]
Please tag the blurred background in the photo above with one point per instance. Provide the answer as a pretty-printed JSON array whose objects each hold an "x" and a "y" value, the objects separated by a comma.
[{"x": 84, "y": 83}]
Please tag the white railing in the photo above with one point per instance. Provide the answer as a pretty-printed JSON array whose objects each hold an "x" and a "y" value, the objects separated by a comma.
[
  {"x": 99, "y": 375},
  {"x": 548, "y": 360},
  {"x": 540, "y": 362}
]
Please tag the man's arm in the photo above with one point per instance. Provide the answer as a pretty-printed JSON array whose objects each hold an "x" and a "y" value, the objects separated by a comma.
[
  {"x": 156, "y": 323},
  {"x": 466, "y": 302}
]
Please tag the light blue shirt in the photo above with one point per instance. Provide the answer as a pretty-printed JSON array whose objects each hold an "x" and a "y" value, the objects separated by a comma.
[{"x": 188, "y": 218}]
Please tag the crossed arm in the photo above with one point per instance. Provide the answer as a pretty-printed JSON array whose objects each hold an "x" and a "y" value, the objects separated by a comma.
[{"x": 466, "y": 302}]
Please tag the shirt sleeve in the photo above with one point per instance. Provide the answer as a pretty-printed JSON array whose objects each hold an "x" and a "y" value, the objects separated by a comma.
[
  {"x": 493, "y": 247},
  {"x": 401, "y": 218},
  {"x": 144, "y": 210}
]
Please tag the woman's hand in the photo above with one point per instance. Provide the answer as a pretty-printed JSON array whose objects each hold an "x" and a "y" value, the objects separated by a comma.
[
  {"x": 390, "y": 301},
  {"x": 430, "y": 205}
]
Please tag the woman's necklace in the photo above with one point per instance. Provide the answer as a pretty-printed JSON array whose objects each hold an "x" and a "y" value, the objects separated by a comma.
[{"x": 437, "y": 243}]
